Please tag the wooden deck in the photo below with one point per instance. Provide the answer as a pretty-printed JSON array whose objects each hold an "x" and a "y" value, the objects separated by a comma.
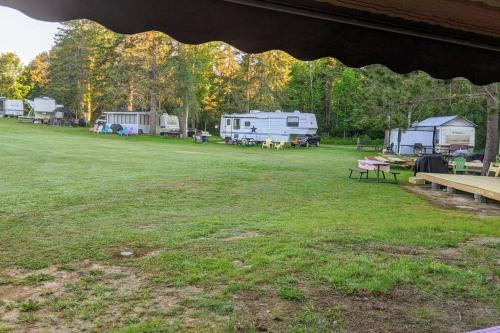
[{"x": 488, "y": 187}]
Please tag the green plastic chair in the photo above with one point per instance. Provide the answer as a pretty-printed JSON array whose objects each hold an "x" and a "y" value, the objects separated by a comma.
[{"x": 459, "y": 165}]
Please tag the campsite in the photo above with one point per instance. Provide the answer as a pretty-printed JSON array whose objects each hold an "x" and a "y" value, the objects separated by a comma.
[
  {"x": 249, "y": 166},
  {"x": 225, "y": 236}
]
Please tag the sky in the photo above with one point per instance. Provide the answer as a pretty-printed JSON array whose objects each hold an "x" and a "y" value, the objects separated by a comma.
[{"x": 23, "y": 35}]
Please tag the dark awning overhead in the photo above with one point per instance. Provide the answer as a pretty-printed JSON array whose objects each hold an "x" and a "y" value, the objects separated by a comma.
[{"x": 445, "y": 38}]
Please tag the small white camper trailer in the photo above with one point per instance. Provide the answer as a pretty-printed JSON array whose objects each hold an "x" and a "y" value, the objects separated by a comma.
[
  {"x": 11, "y": 107},
  {"x": 437, "y": 134},
  {"x": 169, "y": 125},
  {"x": 259, "y": 126},
  {"x": 139, "y": 122}
]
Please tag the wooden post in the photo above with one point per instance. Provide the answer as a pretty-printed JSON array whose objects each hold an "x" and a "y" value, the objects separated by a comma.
[
  {"x": 479, "y": 198},
  {"x": 493, "y": 106}
]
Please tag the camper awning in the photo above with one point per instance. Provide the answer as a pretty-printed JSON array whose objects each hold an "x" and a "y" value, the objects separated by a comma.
[{"x": 445, "y": 38}]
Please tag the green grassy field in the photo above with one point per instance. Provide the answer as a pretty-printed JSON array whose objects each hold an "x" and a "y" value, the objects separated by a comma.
[{"x": 227, "y": 239}]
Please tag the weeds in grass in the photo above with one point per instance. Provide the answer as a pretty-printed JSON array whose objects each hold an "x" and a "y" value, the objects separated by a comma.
[
  {"x": 150, "y": 326},
  {"x": 174, "y": 311},
  {"x": 311, "y": 319},
  {"x": 219, "y": 306},
  {"x": 291, "y": 294},
  {"x": 38, "y": 278},
  {"x": 28, "y": 318},
  {"x": 4, "y": 280},
  {"x": 29, "y": 306}
]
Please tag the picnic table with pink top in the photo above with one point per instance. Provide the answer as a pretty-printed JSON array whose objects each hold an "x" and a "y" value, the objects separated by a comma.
[{"x": 371, "y": 165}]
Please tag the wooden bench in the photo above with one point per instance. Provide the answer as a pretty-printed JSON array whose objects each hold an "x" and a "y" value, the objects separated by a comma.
[
  {"x": 358, "y": 170},
  {"x": 394, "y": 174},
  {"x": 25, "y": 119}
]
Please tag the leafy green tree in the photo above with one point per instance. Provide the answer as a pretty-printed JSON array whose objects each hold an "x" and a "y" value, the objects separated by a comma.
[
  {"x": 35, "y": 75},
  {"x": 79, "y": 66},
  {"x": 192, "y": 64},
  {"x": 10, "y": 74}
]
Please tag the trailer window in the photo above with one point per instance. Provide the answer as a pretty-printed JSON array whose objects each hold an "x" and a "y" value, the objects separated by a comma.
[
  {"x": 292, "y": 122},
  {"x": 236, "y": 124},
  {"x": 247, "y": 124},
  {"x": 228, "y": 122}
]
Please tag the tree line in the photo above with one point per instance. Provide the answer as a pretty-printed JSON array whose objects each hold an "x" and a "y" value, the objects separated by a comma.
[{"x": 92, "y": 70}]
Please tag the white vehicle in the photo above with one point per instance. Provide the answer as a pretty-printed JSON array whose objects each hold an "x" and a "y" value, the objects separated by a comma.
[
  {"x": 259, "y": 126},
  {"x": 44, "y": 108},
  {"x": 11, "y": 107},
  {"x": 139, "y": 122}
]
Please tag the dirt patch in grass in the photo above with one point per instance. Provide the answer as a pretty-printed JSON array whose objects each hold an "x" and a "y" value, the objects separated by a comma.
[
  {"x": 137, "y": 252},
  {"x": 485, "y": 241},
  {"x": 463, "y": 202},
  {"x": 325, "y": 310},
  {"x": 451, "y": 254},
  {"x": 181, "y": 185},
  {"x": 87, "y": 297},
  {"x": 243, "y": 235}
]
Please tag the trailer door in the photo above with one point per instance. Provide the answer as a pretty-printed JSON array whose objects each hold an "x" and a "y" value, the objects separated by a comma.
[{"x": 228, "y": 127}]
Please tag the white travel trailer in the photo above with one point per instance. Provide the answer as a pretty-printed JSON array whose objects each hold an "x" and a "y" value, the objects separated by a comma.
[
  {"x": 11, "y": 107},
  {"x": 139, "y": 122},
  {"x": 259, "y": 126},
  {"x": 437, "y": 134},
  {"x": 169, "y": 125}
]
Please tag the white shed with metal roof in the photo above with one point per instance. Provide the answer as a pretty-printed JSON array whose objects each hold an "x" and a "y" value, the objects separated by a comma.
[{"x": 436, "y": 134}]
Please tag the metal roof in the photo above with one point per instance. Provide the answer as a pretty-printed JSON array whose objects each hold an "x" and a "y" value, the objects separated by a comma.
[
  {"x": 262, "y": 114},
  {"x": 445, "y": 38},
  {"x": 440, "y": 121}
]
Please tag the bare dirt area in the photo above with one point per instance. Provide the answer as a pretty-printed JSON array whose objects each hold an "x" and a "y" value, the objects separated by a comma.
[
  {"x": 89, "y": 297},
  {"x": 324, "y": 310},
  {"x": 460, "y": 201},
  {"x": 92, "y": 297}
]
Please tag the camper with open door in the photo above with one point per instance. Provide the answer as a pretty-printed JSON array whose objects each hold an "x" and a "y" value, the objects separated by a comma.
[{"x": 259, "y": 126}]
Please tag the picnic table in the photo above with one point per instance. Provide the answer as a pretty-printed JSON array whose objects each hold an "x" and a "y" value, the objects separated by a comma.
[{"x": 371, "y": 165}]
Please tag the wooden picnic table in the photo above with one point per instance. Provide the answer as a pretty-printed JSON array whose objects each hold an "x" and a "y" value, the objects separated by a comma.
[{"x": 371, "y": 165}]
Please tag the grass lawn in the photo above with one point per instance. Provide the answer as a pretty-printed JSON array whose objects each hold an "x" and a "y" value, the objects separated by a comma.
[{"x": 227, "y": 239}]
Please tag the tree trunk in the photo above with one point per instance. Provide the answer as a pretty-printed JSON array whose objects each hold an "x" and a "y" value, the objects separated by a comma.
[
  {"x": 491, "y": 149},
  {"x": 154, "y": 90},
  {"x": 131, "y": 95},
  {"x": 186, "y": 121},
  {"x": 152, "y": 117},
  {"x": 89, "y": 102},
  {"x": 247, "y": 92}
]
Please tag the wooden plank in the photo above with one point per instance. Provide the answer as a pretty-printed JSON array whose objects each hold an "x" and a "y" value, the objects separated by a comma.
[
  {"x": 488, "y": 187},
  {"x": 417, "y": 181},
  {"x": 381, "y": 159}
]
